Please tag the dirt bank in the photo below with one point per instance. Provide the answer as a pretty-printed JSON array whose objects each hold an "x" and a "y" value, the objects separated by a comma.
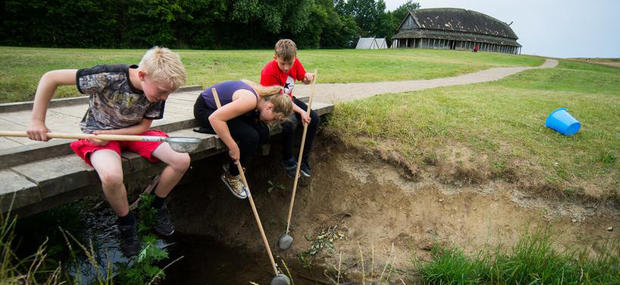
[{"x": 362, "y": 205}]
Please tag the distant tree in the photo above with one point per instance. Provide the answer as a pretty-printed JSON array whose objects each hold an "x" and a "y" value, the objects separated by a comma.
[
  {"x": 192, "y": 23},
  {"x": 151, "y": 22},
  {"x": 366, "y": 15},
  {"x": 384, "y": 23},
  {"x": 197, "y": 27},
  {"x": 55, "y": 23},
  {"x": 399, "y": 14},
  {"x": 369, "y": 15},
  {"x": 339, "y": 30}
]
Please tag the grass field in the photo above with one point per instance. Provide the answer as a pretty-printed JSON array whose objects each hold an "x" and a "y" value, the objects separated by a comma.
[
  {"x": 496, "y": 129},
  {"x": 21, "y": 68},
  {"x": 533, "y": 260},
  {"x": 614, "y": 62}
]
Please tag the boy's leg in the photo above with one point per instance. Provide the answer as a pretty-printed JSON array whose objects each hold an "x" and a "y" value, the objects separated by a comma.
[
  {"x": 289, "y": 126},
  {"x": 177, "y": 165},
  {"x": 312, "y": 128},
  {"x": 310, "y": 134},
  {"x": 108, "y": 165}
]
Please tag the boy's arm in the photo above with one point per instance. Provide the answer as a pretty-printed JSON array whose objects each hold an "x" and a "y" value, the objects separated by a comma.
[
  {"x": 308, "y": 78},
  {"x": 303, "y": 76},
  {"x": 45, "y": 91},
  {"x": 305, "y": 117}
]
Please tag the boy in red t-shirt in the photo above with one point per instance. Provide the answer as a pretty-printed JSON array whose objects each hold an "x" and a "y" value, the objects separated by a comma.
[{"x": 284, "y": 70}]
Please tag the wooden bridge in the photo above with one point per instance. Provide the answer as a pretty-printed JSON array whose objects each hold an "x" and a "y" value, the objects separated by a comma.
[{"x": 36, "y": 176}]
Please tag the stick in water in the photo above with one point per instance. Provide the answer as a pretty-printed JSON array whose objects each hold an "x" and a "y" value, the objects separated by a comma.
[
  {"x": 245, "y": 182},
  {"x": 301, "y": 152}
]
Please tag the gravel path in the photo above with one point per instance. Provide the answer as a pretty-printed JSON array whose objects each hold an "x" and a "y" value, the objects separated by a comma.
[{"x": 341, "y": 92}]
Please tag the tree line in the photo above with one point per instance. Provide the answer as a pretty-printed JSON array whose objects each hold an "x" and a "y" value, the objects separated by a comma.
[{"x": 197, "y": 24}]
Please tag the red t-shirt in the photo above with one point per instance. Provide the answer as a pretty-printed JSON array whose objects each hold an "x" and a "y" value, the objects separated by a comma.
[{"x": 272, "y": 75}]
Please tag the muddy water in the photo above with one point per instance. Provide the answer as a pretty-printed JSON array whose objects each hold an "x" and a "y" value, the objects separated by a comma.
[{"x": 208, "y": 261}]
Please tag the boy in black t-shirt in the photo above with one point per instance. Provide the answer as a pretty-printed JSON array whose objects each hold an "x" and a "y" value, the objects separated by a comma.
[{"x": 124, "y": 100}]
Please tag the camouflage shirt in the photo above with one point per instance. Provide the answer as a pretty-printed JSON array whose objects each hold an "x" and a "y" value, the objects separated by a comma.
[{"x": 114, "y": 103}]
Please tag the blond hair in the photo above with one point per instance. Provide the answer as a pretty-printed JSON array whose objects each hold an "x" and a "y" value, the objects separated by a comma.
[
  {"x": 286, "y": 49},
  {"x": 282, "y": 104},
  {"x": 163, "y": 65}
]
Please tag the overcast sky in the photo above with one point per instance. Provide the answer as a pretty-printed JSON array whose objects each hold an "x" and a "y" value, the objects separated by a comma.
[{"x": 567, "y": 28}]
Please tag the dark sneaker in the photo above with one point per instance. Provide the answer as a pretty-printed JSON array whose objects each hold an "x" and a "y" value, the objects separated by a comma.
[
  {"x": 305, "y": 168},
  {"x": 290, "y": 166},
  {"x": 128, "y": 238},
  {"x": 234, "y": 184},
  {"x": 163, "y": 227}
]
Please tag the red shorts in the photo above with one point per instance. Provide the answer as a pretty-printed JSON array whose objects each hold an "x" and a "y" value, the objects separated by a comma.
[{"x": 84, "y": 148}]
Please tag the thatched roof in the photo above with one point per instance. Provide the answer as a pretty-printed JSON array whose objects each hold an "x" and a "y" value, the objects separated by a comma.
[
  {"x": 459, "y": 24},
  {"x": 427, "y": 34}
]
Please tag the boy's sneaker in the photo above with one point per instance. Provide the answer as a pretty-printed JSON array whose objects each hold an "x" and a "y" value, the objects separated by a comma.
[
  {"x": 163, "y": 227},
  {"x": 128, "y": 238},
  {"x": 290, "y": 166},
  {"x": 304, "y": 168},
  {"x": 235, "y": 185}
]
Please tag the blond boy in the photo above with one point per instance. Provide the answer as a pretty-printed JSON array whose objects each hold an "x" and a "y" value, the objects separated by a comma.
[{"x": 124, "y": 100}]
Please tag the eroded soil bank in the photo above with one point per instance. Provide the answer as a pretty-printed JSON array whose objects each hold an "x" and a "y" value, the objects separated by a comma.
[{"x": 360, "y": 210}]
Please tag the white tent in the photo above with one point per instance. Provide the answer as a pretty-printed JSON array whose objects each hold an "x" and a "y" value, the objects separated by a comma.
[
  {"x": 371, "y": 43},
  {"x": 381, "y": 43}
]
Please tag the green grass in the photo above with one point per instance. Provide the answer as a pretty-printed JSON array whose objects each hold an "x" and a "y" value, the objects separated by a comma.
[
  {"x": 21, "y": 68},
  {"x": 22, "y": 270},
  {"x": 533, "y": 260},
  {"x": 501, "y": 125}
]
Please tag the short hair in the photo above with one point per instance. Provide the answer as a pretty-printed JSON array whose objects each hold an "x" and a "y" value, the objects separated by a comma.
[
  {"x": 286, "y": 49},
  {"x": 163, "y": 65}
]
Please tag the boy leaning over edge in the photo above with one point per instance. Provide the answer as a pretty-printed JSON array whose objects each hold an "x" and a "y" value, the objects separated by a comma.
[
  {"x": 284, "y": 70},
  {"x": 124, "y": 100}
]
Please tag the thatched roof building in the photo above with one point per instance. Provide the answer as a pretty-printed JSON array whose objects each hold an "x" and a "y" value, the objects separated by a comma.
[{"x": 453, "y": 28}]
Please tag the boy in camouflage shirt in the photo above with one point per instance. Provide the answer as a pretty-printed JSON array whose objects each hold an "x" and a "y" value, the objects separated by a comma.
[{"x": 124, "y": 100}]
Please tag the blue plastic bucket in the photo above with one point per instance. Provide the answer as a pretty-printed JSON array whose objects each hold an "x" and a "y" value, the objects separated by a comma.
[{"x": 561, "y": 121}]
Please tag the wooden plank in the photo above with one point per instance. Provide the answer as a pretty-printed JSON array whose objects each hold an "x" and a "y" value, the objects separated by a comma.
[
  {"x": 76, "y": 111},
  {"x": 185, "y": 97},
  {"x": 58, "y": 175},
  {"x": 16, "y": 189},
  {"x": 9, "y": 143},
  {"x": 55, "y": 121}
]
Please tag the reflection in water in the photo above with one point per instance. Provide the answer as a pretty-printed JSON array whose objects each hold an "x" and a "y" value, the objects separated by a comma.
[{"x": 205, "y": 260}]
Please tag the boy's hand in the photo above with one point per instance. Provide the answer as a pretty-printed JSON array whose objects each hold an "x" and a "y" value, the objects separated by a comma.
[
  {"x": 97, "y": 141},
  {"x": 305, "y": 118},
  {"x": 308, "y": 77},
  {"x": 38, "y": 131}
]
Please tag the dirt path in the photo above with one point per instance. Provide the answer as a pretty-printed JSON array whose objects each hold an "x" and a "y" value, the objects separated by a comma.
[{"x": 341, "y": 92}]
